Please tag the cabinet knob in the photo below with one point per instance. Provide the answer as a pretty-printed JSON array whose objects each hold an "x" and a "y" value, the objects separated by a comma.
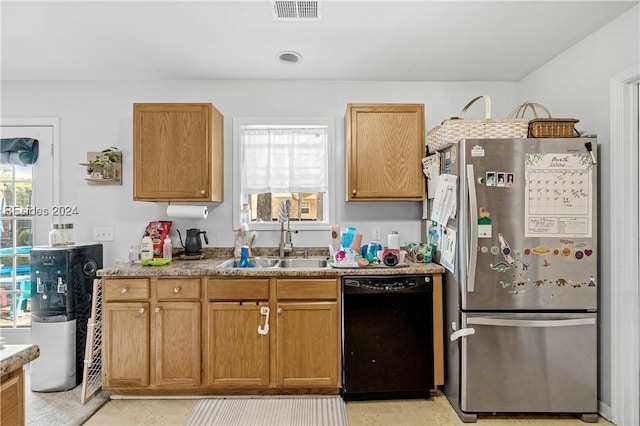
[
  {"x": 202, "y": 192},
  {"x": 141, "y": 311},
  {"x": 124, "y": 290},
  {"x": 353, "y": 192},
  {"x": 156, "y": 310},
  {"x": 176, "y": 290},
  {"x": 279, "y": 310}
]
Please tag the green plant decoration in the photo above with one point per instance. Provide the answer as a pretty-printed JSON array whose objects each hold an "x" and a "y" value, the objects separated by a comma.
[{"x": 105, "y": 160}]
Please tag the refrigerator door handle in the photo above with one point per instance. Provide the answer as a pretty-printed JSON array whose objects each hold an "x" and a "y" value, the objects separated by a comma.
[
  {"x": 463, "y": 332},
  {"x": 473, "y": 229},
  {"x": 531, "y": 323}
]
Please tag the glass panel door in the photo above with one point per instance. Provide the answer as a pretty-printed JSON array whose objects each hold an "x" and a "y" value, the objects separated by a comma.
[{"x": 27, "y": 194}]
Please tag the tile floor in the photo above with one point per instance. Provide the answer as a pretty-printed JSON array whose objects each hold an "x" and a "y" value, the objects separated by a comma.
[{"x": 435, "y": 411}]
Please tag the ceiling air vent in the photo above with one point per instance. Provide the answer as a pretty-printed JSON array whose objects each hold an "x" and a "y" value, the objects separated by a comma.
[{"x": 296, "y": 11}]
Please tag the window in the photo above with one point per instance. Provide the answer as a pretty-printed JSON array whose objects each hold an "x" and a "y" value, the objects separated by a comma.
[
  {"x": 16, "y": 231},
  {"x": 283, "y": 159},
  {"x": 305, "y": 207},
  {"x": 27, "y": 195}
]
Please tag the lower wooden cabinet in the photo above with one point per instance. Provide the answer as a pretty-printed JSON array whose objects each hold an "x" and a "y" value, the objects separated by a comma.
[
  {"x": 211, "y": 335},
  {"x": 308, "y": 336},
  {"x": 175, "y": 337},
  {"x": 308, "y": 345},
  {"x": 298, "y": 347},
  {"x": 151, "y": 333},
  {"x": 12, "y": 398},
  {"x": 237, "y": 355},
  {"x": 125, "y": 334}
]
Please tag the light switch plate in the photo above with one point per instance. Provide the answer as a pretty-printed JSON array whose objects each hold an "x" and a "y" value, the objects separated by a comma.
[{"x": 103, "y": 234}]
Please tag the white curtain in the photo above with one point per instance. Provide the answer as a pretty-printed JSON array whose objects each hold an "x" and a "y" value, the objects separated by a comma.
[{"x": 284, "y": 159}]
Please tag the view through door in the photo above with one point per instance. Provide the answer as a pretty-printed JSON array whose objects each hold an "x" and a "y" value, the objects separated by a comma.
[{"x": 26, "y": 207}]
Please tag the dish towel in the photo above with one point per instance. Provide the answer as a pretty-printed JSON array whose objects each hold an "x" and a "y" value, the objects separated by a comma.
[{"x": 19, "y": 151}]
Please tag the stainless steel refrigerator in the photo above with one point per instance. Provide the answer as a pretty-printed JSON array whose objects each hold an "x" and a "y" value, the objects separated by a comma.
[{"x": 518, "y": 236}]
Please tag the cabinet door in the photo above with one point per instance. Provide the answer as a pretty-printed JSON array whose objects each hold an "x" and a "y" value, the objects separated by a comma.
[
  {"x": 176, "y": 341},
  {"x": 177, "y": 152},
  {"x": 12, "y": 398},
  {"x": 385, "y": 147},
  {"x": 236, "y": 354},
  {"x": 307, "y": 344},
  {"x": 125, "y": 344}
]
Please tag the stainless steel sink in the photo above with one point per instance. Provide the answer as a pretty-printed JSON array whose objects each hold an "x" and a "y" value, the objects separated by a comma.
[
  {"x": 302, "y": 263},
  {"x": 256, "y": 262},
  {"x": 286, "y": 263}
]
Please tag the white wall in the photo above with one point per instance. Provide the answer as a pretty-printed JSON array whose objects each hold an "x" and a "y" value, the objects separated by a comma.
[
  {"x": 95, "y": 115},
  {"x": 577, "y": 84}
]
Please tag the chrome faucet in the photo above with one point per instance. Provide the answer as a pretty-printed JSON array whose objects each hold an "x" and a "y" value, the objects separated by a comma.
[
  {"x": 284, "y": 211},
  {"x": 286, "y": 246}
]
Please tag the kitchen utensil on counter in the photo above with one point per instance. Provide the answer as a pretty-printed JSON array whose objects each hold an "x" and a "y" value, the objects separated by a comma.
[
  {"x": 158, "y": 261},
  {"x": 391, "y": 257},
  {"x": 357, "y": 242},
  {"x": 192, "y": 244}
]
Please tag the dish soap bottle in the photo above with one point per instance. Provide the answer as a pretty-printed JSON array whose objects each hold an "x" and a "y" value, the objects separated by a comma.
[
  {"x": 167, "y": 249},
  {"x": 146, "y": 248},
  {"x": 241, "y": 239},
  {"x": 244, "y": 257}
]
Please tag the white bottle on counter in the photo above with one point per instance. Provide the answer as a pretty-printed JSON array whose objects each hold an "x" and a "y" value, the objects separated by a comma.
[
  {"x": 393, "y": 240},
  {"x": 146, "y": 248},
  {"x": 245, "y": 214},
  {"x": 167, "y": 249}
]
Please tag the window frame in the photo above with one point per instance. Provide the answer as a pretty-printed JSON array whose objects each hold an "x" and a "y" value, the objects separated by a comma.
[{"x": 330, "y": 208}]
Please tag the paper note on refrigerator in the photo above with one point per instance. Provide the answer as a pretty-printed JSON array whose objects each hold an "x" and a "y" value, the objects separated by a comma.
[
  {"x": 431, "y": 169},
  {"x": 444, "y": 204},
  {"x": 447, "y": 258},
  {"x": 559, "y": 195}
]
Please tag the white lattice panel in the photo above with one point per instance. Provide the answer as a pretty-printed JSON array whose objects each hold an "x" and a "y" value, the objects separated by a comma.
[{"x": 92, "y": 374}]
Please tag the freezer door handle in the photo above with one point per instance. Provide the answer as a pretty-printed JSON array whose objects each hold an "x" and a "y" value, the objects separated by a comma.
[
  {"x": 473, "y": 229},
  {"x": 531, "y": 323}
]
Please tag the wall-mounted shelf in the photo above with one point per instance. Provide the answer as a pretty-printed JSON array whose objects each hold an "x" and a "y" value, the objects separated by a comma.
[{"x": 104, "y": 168}]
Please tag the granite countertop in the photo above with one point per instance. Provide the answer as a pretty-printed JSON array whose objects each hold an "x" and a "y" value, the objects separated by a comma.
[
  {"x": 13, "y": 357},
  {"x": 208, "y": 266}
]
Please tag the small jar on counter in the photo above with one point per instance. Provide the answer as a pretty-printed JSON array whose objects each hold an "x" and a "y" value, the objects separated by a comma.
[
  {"x": 62, "y": 234},
  {"x": 393, "y": 240},
  {"x": 69, "y": 234},
  {"x": 56, "y": 235}
]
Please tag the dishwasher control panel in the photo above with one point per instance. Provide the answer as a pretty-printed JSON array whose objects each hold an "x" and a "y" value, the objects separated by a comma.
[{"x": 386, "y": 282}]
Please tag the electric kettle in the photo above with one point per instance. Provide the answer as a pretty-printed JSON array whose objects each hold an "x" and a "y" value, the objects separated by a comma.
[{"x": 192, "y": 244}]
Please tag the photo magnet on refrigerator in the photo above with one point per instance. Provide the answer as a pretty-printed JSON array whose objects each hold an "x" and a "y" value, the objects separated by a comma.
[{"x": 484, "y": 223}]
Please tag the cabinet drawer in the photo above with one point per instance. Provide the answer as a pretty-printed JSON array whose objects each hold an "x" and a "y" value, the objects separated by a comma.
[
  {"x": 178, "y": 289},
  {"x": 307, "y": 289},
  {"x": 126, "y": 289},
  {"x": 238, "y": 289}
]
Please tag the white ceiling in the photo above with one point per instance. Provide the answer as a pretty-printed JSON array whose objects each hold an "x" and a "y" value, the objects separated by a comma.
[{"x": 354, "y": 40}]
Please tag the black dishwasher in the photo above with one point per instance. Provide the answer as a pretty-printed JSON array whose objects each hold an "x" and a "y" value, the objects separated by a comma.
[{"x": 387, "y": 337}]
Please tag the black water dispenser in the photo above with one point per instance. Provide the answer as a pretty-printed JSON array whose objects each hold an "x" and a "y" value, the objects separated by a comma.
[{"x": 61, "y": 293}]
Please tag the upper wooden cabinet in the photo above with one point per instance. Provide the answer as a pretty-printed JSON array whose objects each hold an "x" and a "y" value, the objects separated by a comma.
[
  {"x": 177, "y": 152},
  {"x": 384, "y": 151}
]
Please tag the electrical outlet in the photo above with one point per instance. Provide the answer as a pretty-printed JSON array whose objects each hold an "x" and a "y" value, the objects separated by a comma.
[
  {"x": 376, "y": 233},
  {"x": 103, "y": 234}
]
